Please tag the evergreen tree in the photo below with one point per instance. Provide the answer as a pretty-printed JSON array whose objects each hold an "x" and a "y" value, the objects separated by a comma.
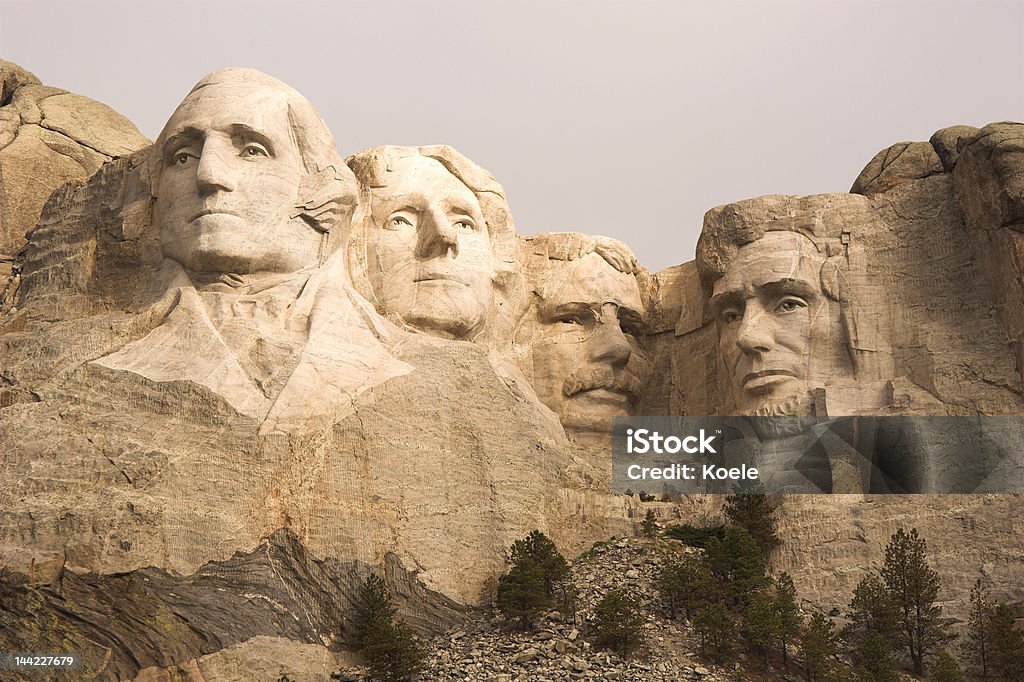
[
  {"x": 530, "y": 585},
  {"x": 738, "y": 563},
  {"x": 760, "y": 624},
  {"x": 538, "y": 549},
  {"x": 373, "y": 607},
  {"x": 945, "y": 669},
  {"x": 717, "y": 629},
  {"x": 521, "y": 594},
  {"x": 686, "y": 583},
  {"x": 913, "y": 588},
  {"x": 870, "y": 633},
  {"x": 649, "y": 527},
  {"x": 748, "y": 508},
  {"x": 818, "y": 642},
  {"x": 786, "y": 613},
  {"x": 979, "y": 629},
  {"x": 392, "y": 651},
  {"x": 875, "y": 663},
  {"x": 871, "y": 610},
  {"x": 1007, "y": 652},
  {"x": 617, "y": 623}
]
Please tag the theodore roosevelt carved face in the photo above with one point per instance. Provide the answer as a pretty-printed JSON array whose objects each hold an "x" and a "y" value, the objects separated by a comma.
[{"x": 584, "y": 335}]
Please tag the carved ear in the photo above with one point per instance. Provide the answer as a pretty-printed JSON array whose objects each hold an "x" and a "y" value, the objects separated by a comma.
[{"x": 327, "y": 200}]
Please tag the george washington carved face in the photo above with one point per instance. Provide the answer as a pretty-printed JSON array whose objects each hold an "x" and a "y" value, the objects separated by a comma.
[{"x": 229, "y": 182}]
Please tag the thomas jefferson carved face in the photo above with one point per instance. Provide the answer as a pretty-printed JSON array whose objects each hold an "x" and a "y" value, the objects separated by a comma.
[
  {"x": 588, "y": 365},
  {"x": 429, "y": 251},
  {"x": 775, "y": 328},
  {"x": 230, "y": 177}
]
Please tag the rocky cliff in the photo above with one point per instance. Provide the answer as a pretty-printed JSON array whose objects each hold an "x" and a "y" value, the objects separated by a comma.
[{"x": 203, "y": 464}]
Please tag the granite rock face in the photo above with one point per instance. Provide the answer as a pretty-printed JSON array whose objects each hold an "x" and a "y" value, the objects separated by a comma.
[
  {"x": 238, "y": 373},
  {"x": 47, "y": 137}
]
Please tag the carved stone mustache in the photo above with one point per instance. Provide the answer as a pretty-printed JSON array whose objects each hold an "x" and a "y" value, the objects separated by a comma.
[{"x": 591, "y": 378}]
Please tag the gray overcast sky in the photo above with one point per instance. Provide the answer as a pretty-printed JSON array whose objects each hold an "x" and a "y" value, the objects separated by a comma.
[{"x": 627, "y": 118}]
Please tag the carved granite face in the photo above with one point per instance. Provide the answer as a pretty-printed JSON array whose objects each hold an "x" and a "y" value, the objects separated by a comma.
[
  {"x": 774, "y": 321},
  {"x": 588, "y": 365},
  {"x": 429, "y": 250},
  {"x": 229, "y": 180}
]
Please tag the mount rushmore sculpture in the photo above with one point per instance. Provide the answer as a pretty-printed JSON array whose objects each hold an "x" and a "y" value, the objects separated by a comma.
[{"x": 235, "y": 352}]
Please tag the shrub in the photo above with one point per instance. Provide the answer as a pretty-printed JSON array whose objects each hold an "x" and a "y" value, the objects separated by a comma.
[
  {"x": 694, "y": 536},
  {"x": 529, "y": 587},
  {"x": 617, "y": 623},
  {"x": 649, "y": 527}
]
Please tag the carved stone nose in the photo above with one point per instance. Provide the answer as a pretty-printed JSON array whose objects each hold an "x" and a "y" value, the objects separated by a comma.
[
  {"x": 436, "y": 235},
  {"x": 214, "y": 173}
]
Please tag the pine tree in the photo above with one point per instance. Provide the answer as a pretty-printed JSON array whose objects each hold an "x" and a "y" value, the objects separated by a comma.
[
  {"x": 818, "y": 642},
  {"x": 541, "y": 551},
  {"x": 649, "y": 527},
  {"x": 875, "y": 663},
  {"x": 979, "y": 629},
  {"x": 748, "y": 508},
  {"x": 529, "y": 587},
  {"x": 738, "y": 563},
  {"x": 913, "y": 588},
  {"x": 392, "y": 651},
  {"x": 717, "y": 629},
  {"x": 521, "y": 593},
  {"x": 786, "y": 612},
  {"x": 373, "y": 607},
  {"x": 617, "y": 623},
  {"x": 1007, "y": 652},
  {"x": 871, "y": 610},
  {"x": 870, "y": 634},
  {"x": 945, "y": 669},
  {"x": 760, "y": 624},
  {"x": 687, "y": 583}
]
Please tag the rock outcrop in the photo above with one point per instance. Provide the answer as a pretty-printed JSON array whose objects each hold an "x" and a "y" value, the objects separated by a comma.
[
  {"x": 238, "y": 373},
  {"x": 47, "y": 137}
]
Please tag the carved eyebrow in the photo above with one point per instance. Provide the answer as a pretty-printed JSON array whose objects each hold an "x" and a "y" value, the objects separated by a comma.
[
  {"x": 726, "y": 299},
  {"x": 249, "y": 133},
  {"x": 793, "y": 287},
  {"x": 175, "y": 141},
  {"x": 572, "y": 308},
  {"x": 631, "y": 316}
]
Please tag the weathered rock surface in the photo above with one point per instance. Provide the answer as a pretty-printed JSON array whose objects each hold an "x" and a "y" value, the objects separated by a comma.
[
  {"x": 47, "y": 137},
  {"x": 159, "y": 512}
]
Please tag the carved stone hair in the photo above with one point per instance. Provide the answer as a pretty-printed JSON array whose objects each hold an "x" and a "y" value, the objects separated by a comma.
[{"x": 828, "y": 221}]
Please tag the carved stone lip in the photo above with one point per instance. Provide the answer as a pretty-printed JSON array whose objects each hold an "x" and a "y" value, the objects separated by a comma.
[
  {"x": 215, "y": 211},
  {"x": 767, "y": 376},
  {"x": 441, "y": 277}
]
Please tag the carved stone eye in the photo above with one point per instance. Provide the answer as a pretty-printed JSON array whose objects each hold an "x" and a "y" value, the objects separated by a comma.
[{"x": 253, "y": 150}]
